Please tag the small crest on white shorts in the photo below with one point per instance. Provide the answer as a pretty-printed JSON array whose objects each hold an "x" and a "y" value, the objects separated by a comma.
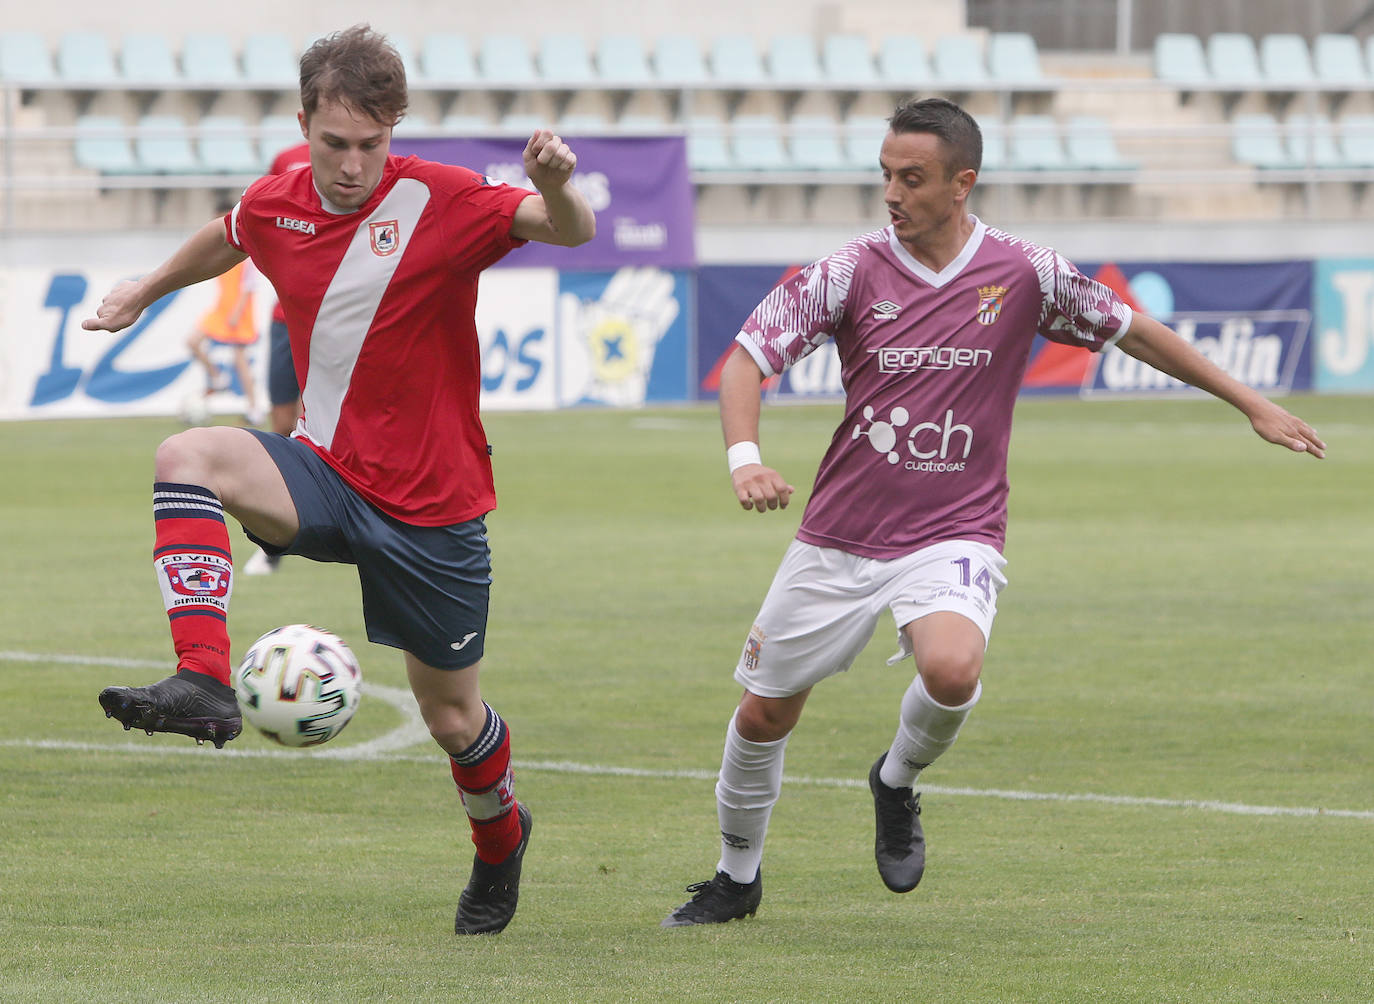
[{"x": 752, "y": 647}]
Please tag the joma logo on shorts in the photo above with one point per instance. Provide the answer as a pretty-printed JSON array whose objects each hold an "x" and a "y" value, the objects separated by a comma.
[{"x": 287, "y": 223}]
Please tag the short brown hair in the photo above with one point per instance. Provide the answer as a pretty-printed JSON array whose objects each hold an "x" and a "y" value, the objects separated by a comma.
[
  {"x": 357, "y": 67},
  {"x": 940, "y": 117}
]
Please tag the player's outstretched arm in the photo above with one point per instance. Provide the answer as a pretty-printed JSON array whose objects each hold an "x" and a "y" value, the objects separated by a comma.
[
  {"x": 1157, "y": 345},
  {"x": 206, "y": 255},
  {"x": 559, "y": 214},
  {"x": 757, "y": 486}
]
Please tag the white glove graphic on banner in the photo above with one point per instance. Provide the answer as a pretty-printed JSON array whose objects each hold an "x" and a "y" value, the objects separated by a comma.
[{"x": 621, "y": 330}]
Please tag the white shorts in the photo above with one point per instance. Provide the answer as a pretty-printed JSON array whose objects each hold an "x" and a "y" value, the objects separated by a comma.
[{"x": 824, "y": 605}]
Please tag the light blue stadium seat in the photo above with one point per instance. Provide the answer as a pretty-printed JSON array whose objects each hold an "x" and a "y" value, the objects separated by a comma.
[
  {"x": 1013, "y": 58},
  {"x": 1090, "y": 145},
  {"x": 735, "y": 59},
  {"x": 1233, "y": 60},
  {"x": 276, "y": 133},
  {"x": 707, "y": 149},
  {"x": 505, "y": 59},
  {"x": 863, "y": 140},
  {"x": 84, "y": 57},
  {"x": 446, "y": 58},
  {"x": 847, "y": 59},
  {"x": 24, "y": 56},
  {"x": 523, "y": 124},
  {"x": 645, "y": 124},
  {"x": 564, "y": 59},
  {"x": 404, "y": 49},
  {"x": 902, "y": 61},
  {"x": 146, "y": 58},
  {"x": 1035, "y": 144},
  {"x": 463, "y": 124},
  {"x": 102, "y": 144},
  {"x": 620, "y": 59},
  {"x": 1256, "y": 141},
  {"x": 1180, "y": 59},
  {"x": 678, "y": 60},
  {"x": 583, "y": 124},
  {"x": 162, "y": 145},
  {"x": 994, "y": 132},
  {"x": 756, "y": 141},
  {"x": 1357, "y": 140},
  {"x": 1338, "y": 62},
  {"x": 958, "y": 62},
  {"x": 209, "y": 59},
  {"x": 792, "y": 60},
  {"x": 224, "y": 144},
  {"x": 269, "y": 60},
  {"x": 815, "y": 144},
  {"x": 1284, "y": 60},
  {"x": 1312, "y": 142}
]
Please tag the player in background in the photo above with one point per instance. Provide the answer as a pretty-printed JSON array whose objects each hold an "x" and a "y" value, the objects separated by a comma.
[
  {"x": 231, "y": 321},
  {"x": 933, "y": 318},
  {"x": 283, "y": 390},
  {"x": 376, "y": 259}
]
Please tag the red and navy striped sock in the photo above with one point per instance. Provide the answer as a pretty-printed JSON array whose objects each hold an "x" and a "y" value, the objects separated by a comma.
[
  {"x": 195, "y": 571},
  {"x": 487, "y": 787}
]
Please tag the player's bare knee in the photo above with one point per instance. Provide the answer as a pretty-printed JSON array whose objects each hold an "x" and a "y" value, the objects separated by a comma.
[
  {"x": 951, "y": 675},
  {"x": 181, "y": 458},
  {"x": 765, "y": 720},
  {"x": 453, "y": 726}
]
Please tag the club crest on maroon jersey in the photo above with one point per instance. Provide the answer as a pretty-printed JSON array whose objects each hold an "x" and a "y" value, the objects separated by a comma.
[{"x": 990, "y": 303}]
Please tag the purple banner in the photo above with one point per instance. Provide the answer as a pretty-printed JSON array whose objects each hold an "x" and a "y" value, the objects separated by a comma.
[{"x": 637, "y": 185}]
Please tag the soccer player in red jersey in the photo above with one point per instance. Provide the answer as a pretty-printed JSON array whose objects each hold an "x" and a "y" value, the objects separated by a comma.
[
  {"x": 375, "y": 259},
  {"x": 933, "y": 318}
]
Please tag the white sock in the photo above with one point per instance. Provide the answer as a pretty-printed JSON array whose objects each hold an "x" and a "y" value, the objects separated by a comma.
[
  {"x": 749, "y": 785},
  {"x": 925, "y": 730}
]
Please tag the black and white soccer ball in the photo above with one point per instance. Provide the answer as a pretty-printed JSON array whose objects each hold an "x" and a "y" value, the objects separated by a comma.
[{"x": 299, "y": 685}]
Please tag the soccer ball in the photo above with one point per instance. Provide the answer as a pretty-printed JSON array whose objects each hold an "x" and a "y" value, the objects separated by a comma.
[
  {"x": 194, "y": 409},
  {"x": 299, "y": 685}
]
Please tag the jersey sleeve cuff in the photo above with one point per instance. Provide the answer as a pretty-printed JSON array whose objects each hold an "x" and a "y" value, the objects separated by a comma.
[{"x": 756, "y": 353}]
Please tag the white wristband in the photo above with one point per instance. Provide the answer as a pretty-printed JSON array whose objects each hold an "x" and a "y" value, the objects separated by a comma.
[{"x": 741, "y": 454}]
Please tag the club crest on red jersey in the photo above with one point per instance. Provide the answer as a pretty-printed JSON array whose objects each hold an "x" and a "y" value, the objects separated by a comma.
[
  {"x": 990, "y": 303},
  {"x": 385, "y": 236}
]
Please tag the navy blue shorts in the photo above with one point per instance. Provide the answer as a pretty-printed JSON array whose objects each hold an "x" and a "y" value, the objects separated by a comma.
[
  {"x": 425, "y": 588},
  {"x": 282, "y": 387}
]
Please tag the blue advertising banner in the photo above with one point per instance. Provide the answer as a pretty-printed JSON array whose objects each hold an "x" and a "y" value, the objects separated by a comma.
[
  {"x": 637, "y": 185},
  {"x": 1344, "y": 294}
]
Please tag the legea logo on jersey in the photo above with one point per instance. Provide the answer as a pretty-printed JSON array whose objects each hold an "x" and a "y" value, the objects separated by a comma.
[
  {"x": 385, "y": 236},
  {"x": 300, "y": 226},
  {"x": 897, "y": 359},
  {"x": 929, "y": 447}
]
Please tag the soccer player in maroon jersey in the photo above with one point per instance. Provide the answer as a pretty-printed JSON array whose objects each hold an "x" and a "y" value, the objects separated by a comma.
[
  {"x": 933, "y": 318},
  {"x": 376, "y": 260}
]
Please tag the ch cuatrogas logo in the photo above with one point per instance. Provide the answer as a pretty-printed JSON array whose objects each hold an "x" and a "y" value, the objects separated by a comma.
[{"x": 930, "y": 447}]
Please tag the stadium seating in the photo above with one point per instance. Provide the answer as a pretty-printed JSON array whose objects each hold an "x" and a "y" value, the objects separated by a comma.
[
  {"x": 958, "y": 62},
  {"x": 707, "y": 149},
  {"x": 146, "y": 58},
  {"x": 1035, "y": 144},
  {"x": 1233, "y": 60},
  {"x": 505, "y": 59},
  {"x": 1338, "y": 62},
  {"x": 1311, "y": 142},
  {"x": 994, "y": 144},
  {"x": 1356, "y": 138},
  {"x": 1284, "y": 60},
  {"x": 815, "y": 144},
  {"x": 446, "y": 58},
  {"x": 1257, "y": 142},
  {"x": 224, "y": 145},
  {"x": 208, "y": 59},
  {"x": 1089, "y": 144},
  {"x": 902, "y": 61},
  {"x": 846, "y": 59},
  {"x": 269, "y": 61},
  {"x": 24, "y": 57},
  {"x": 735, "y": 60},
  {"x": 564, "y": 59},
  {"x": 162, "y": 145},
  {"x": 1013, "y": 59},
  {"x": 1180, "y": 59},
  {"x": 792, "y": 60},
  {"x": 621, "y": 59},
  {"x": 678, "y": 60},
  {"x": 102, "y": 144},
  {"x": 84, "y": 57},
  {"x": 863, "y": 138},
  {"x": 756, "y": 141}
]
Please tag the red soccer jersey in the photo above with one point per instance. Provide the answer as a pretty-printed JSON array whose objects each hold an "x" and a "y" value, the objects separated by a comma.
[{"x": 380, "y": 305}]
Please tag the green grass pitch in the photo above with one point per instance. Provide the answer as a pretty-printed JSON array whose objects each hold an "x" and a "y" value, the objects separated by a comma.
[{"x": 1165, "y": 794}]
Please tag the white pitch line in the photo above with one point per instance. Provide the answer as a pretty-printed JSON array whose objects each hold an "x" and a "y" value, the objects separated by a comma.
[{"x": 412, "y": 731}]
